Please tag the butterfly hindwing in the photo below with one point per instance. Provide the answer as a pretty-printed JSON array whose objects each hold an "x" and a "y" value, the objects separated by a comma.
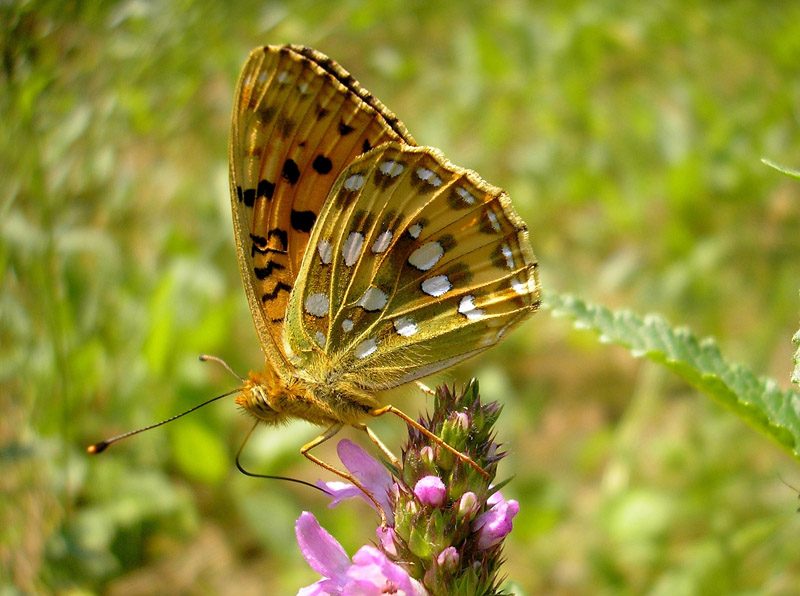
[
  {"x": 414, "y": 264},
  {"x": 298, "y": 120}
]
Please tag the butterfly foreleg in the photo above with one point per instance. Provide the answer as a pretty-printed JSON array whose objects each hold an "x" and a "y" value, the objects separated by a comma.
[
  {"x": 414, "y": 424},
  {"x": 319, "y": 440}
]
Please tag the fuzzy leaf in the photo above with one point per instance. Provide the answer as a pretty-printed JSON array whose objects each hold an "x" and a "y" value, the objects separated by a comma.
[{"x": 758, "y": 400}]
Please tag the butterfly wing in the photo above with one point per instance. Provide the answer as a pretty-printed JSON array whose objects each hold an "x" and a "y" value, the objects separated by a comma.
[
  {"x": 298, "y": 120},
  {"x": 414, "y": 265}
]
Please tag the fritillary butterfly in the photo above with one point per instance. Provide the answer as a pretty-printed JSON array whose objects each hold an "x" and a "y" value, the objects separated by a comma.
[{"x": 368, "y": 261}]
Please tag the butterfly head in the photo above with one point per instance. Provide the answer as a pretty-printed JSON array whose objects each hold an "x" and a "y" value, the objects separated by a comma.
[{"x": 262, "y": 395}]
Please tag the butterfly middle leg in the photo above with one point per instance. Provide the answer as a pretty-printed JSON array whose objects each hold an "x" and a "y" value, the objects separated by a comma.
[
  {"x": 416, "y": 425},
  {"x": 330, "y": 432},
  {"x": 380, "y": 445}
]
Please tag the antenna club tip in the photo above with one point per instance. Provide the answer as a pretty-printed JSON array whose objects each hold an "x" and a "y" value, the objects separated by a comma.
[{"x": 97, "y": 447}]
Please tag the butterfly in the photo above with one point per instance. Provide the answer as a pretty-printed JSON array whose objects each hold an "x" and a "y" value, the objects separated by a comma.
[{"x": 368, "y": 261}]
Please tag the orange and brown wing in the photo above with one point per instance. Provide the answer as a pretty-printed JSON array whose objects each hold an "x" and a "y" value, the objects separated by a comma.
[
  {"x": 299, "y": 119},
  {"x": 415, "y": 264}
]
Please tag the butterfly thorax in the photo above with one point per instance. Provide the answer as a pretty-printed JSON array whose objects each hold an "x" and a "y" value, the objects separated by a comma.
[{"x": 272, "y": 400}]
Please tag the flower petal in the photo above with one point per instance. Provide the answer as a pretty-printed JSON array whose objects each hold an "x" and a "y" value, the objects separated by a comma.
[
  {"x": 386, "y": 537},
  {"x": 322, "y": 551},
  {"x": 340, "y": 491},
  {"x": 495, "y": 524},
  {"x": 372, "y": 568},
  {"x": 370, "y": 472},
  {"x": 315, "y": 589}
]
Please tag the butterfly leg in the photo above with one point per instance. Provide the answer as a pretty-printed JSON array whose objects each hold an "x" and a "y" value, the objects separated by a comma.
[
  {"x": 384, "y": 449},
  {"x": 414, "y": 424},
  {"x": 330, "y": 432}
]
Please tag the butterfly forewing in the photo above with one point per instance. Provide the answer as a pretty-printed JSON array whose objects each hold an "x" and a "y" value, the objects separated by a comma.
[
  {"x": 414, "y": 264},
  {"x": 299, "y": 119}
]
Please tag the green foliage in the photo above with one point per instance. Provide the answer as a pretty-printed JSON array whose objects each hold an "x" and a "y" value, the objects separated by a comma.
[
  {"x": 796, "y": 372},
  {"x": 628, "y": 136},
  {"x": 758, "y": 400},
  {"x": 796, "y": 339}
]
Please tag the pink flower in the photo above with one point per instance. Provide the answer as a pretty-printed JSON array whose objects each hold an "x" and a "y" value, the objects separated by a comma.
[
  {"x": 369, "y": 471},
  {"x": 370, "y": 573},
  {"x": 495, "y": 524},
  {"x": 431, "y": 491}
]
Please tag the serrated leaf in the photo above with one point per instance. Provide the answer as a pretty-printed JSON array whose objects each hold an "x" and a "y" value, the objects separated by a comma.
[{"x": 758, "y": 400}]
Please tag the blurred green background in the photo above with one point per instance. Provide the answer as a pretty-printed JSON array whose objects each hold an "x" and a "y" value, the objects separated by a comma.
[{"x": 629, "y": 136}]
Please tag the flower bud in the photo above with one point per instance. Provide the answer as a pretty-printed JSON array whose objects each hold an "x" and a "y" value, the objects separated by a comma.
[
  {"x": 455, "y": 430},
  {"x": 448, "y": 559},
  {"x": 426, "y": 455},
  {"x": 430, "y": 491},
  {"x": 467, "y": 505}
]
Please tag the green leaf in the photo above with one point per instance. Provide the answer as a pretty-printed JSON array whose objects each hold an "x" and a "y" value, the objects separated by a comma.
[
  {"x": 758, "y": 400},
  {"x": 796, "y": 371},
  {"x": 783, "y": 169}
]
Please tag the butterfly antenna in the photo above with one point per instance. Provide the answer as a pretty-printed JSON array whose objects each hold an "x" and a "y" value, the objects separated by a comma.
[
  {"x": 103, "y": 445},
  {"x": 222, "y": 363},
  {"x": 268, "y": 476},
  {"x": 789, "y": 485}
]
